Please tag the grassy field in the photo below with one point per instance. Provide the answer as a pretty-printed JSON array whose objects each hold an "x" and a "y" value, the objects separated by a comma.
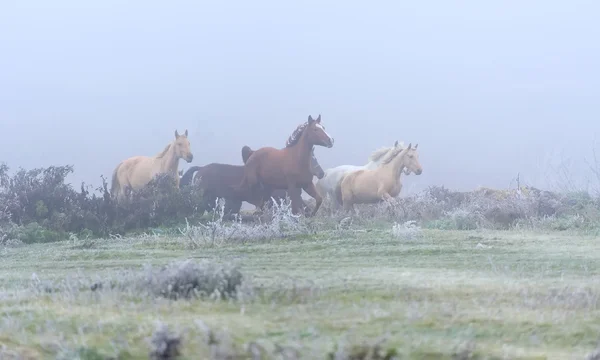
[{"x": 442, "y": 294}]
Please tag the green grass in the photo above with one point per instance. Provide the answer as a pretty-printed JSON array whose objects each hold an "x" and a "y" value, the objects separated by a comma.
[{"x": 510, "y": 294}]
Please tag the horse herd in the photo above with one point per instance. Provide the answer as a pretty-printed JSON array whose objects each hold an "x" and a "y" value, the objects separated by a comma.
[{"x": 276, "y": 173}]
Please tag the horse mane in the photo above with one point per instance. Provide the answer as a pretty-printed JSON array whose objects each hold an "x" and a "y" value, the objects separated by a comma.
[
  {"x": 377, "y": 154},
  {"x": 295, "y": 137},
  {"x": 164, "y": 152},
  {"x": 392, "y": 155}
]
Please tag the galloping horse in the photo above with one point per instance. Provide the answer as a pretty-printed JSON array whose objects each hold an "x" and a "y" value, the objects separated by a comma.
[
  {"x": 137, "y": 171},
  {"x": 287, "y": 168},
  {"x": 220, "y": 181},
  {"x": 380, "y": 184},
  {"x": 333, "y": 176},
  {"x": 315, "y": 168}
]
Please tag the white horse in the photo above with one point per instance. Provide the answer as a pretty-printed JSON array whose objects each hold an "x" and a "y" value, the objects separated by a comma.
[{"x": 327, "y": 185}]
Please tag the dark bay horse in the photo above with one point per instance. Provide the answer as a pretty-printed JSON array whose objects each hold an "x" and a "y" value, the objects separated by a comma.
[
  {"x": 268, "y": 168},
  {"x": 220, "y": 181}
]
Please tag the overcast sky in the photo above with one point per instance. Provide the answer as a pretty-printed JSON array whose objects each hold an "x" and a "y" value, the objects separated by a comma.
[{"x": 487, "y": 89}]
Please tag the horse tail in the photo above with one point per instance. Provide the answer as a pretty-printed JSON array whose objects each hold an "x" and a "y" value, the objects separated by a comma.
[
  {"x": 187, "y": 177},
  {"x": 338, "y": 192},
  {"x": 249, "y": 178},
  {"x": 115, "y": 186},
  {"x": 246, "y": 153}
]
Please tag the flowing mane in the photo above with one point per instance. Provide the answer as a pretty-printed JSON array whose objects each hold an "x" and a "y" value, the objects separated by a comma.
[
  {"x": 392, "y": 154},
  {"x": 162, "y": 153},
  {"x": 377, "y": 154},
  {"x": 293, "y": 139}
]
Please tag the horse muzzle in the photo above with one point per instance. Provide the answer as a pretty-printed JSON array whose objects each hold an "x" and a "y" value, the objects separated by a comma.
[
  {"x": 329, "y": 143},
  {"x": 320, "y": 174},
  {"x": 189, "y": 158},
  {"x": 418, "y": 171}
]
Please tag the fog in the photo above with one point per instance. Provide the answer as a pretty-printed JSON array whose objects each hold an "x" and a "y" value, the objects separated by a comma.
[{"x": 487, "y": 90}]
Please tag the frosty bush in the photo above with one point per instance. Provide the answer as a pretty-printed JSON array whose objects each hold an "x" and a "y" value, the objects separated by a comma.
[
  {"x": 39, "y": 206},
  {"x": 283, "y": 223}
]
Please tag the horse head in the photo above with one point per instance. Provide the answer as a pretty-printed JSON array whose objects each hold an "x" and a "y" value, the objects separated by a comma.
[
  {"x": 411, "y": 160},
  {"x": 315, "y": 167},
  {"x": 182, "y": 147},
  {"x": 315, "y": 133}
]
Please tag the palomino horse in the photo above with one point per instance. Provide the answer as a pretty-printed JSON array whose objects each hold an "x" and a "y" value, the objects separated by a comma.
[
  {"x": 380, "y": 184},
  {"x": 287, "y": 168},
  {"x": 278, "y": 194},
  {"x": 136, "y": 172},
  {"x": 333, "y": 176}
]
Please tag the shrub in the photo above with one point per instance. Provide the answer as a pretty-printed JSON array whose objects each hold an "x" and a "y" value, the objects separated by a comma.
[
  {"x": 190, "y": 279},
  {"x": 440, "y": 208},
  {"x": 39, "y": 206},
  {"x": 164, "y": 344}
]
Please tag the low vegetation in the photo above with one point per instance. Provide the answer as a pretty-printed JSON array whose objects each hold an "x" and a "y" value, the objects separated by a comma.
[
  {"x": 440, "y": 274},
  {"x": 38, "y": 206}
]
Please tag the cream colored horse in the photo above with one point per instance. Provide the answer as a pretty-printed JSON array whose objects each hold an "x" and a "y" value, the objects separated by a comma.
[
  {"x": 327, "y": 185},
  {"x": 380, "y": 184},
  {"x": 136, "y": 172}
]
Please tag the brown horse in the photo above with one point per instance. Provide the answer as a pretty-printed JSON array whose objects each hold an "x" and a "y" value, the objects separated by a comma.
[
  {"x": 269, "y": 168},
  {"x": 379, "y": 184},
  {"x": 278, "y": 194}
]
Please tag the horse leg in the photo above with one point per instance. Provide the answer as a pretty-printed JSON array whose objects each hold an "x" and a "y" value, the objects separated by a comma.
[
  {"x": 262, "y": 196},
  {"x": 312, "y": 191},
  {"x": 297, "y": 192},
  {"x": 386, "y": 198},
  {"x": 232, "y": 207},
  {"x": 349, "y": 207},
  {"x": 208, "y": 203},
  {"x": 294, "y": 196}
]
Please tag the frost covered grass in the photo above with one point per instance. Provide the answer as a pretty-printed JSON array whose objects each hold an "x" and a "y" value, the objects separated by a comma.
[{"x": 336, "y": 294}]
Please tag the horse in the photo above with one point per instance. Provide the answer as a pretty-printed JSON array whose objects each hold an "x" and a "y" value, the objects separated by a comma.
[
  {"x": 220, "y": 181},
  {"x": 269, "y": 168},
  {"x": 136, "y": 172},
  {"x": 380, "y": 184},
  {"x": 278, "y": 194},
  {"x": 333, "y": 176}
]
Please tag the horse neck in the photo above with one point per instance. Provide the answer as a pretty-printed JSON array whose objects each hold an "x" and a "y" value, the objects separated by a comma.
[
  {"x": 391, "y": 171},
  {"x": 397, "y": 164},
  {"x": 303, "y": 150},
  {"x": 169, "y": 162}
]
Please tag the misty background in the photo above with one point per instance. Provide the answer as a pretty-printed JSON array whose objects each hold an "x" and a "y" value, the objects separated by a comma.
[{"x": 488, "y": 90}]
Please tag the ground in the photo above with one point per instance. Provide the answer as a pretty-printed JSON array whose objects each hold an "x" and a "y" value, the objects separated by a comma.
[{"x": 440, "y": 294}]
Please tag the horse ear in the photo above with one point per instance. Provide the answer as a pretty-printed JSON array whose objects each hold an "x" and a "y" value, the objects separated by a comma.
[
  {"x": 319, "y": 119},
  {"x": 310, "y": 119},
  {"x": 186, "y": 133},
  {"x": 416, "y": 146},
  {"x": 396, "y": 143},
  {"x": 176, "y": 134},
  {"x": 409, "y": 146}
]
